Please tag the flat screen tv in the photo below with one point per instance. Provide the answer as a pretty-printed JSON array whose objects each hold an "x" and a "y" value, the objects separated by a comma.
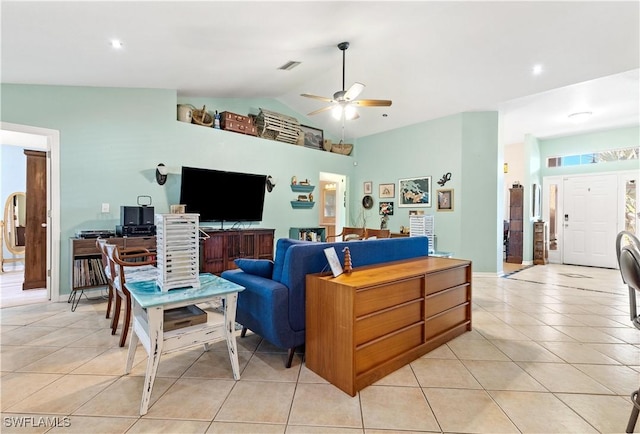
[{"x": 222, "y": 196}]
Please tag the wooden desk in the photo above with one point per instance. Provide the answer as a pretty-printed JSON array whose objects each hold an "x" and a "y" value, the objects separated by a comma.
[
  {"x": 365, "y": 325},
  {"x": 149, "y": 304}
]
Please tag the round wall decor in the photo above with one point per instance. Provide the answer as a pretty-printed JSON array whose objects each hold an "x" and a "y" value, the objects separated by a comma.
[{"x": 367, "y": 202}]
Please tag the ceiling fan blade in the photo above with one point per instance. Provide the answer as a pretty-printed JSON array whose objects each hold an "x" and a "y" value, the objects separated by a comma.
[
  {"x": 323, "y": 109},
  {"x": 372, "y": 102},
  {"x": 321, "y": 98},
  {"x": 353, "y": 92}
]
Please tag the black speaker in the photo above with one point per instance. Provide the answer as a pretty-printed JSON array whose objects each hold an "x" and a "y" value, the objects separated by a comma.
[
  {"x": 147, "y": 216},
  {"x": 130, "y": 215}
]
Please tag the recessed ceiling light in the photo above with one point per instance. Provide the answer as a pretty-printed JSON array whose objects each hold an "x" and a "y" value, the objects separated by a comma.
[
  {"x": 116, "y": 43},
  {"x": 580, "y": 116},
  {"x": 537, "y": 69}
]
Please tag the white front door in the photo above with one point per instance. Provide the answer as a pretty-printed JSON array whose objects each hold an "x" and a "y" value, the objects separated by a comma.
[{"x": 589, "y": 218}]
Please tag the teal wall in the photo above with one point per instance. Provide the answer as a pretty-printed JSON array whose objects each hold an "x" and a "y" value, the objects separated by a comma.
[
  {"x": 111, "y": 140},
  {"x": 589, "y": 142}
]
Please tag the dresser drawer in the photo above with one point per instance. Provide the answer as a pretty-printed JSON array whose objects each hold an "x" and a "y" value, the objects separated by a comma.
[
  {"x": 446, "y": 279},
  {"x": 447, "y": 299},
  {"x": 384, "y": 322},
  {"x": 380, "y": 297},
  {"x": 371, "y": 355},
  {"x": 445, "y": 321}
]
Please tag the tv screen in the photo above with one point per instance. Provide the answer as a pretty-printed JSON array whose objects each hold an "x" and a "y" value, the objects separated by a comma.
[{"x": 222, "y": 196}]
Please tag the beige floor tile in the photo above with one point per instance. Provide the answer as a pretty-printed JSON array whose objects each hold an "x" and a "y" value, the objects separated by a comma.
[
  {"x": 442, "y": 352},
  {"x": 308, "y": 376},
  {"x": 575, "y": 352},
  {"x": 245, "y": 428},
  {"x": 626, "y": 334},
  {"x": 324, "y": 405},
  {"x": 526, "y": 351},
  {"x": 62, "y": 337},
  {"x": 110, "y": 362},
  {"x": 83, "y": 425},
  {"x": 154, "y": 426},
  {"x": 63, "y": 361},
  {"x": 100, "y": 338},
  {"x": 540, "y": 413},
  {"x": 589, "y": 334},
  {"x": 620, "y": 379},
  {"x": 295, "y": 429},
  {"x": 271, "y": 367},
  {"x": 502, "y": 376},
  {"x": 476, "y": 350},
  {"x": 172, "y": 365},
  {"x": 518, "y": 318},
  {"x": 558, "y": 319},
  {"x": 560, "y": 377},
  {"x": 592, "y": 320},
  {"x": 544, "y": 333},
  {"x": 625, "y": 354},
  {"x": 64, "y": 395},
  {"x": 608, "y": 414},
  {"x": 18, "y": 386},
  {"x": 468, "y": 411},
  {"x": 401, "y": 377},
  {"x": 270, "y": 402},
  {"x": 191, "y": 398},
  {"x": 25, "y": 335},
  {"x": 396, "y": 408},
  {"x": 214, "y": 364},
  {"x": 13, "y": 358},
  {"x": 443, "y": 373},
  {"x": 122, "y": 397},
  {"x": 500, "y": 331}
]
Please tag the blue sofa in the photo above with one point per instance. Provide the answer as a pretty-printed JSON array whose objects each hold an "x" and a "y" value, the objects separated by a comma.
[{"x": 273, "y": 302}]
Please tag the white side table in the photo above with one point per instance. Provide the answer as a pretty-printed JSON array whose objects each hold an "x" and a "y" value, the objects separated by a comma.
[{"x": 149, "y": 304}]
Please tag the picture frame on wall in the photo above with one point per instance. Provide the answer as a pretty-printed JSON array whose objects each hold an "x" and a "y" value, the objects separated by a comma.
[
  {"x": 368, "y": 187},
  {"x": 414, "y": 192},
  {"x": 313, "y": 137},
  {"x": 445, "y": 199},
  {"x": 387, "y": 191}
]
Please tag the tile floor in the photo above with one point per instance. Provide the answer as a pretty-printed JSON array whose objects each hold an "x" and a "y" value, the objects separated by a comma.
[{"x": 552, "y": 351}]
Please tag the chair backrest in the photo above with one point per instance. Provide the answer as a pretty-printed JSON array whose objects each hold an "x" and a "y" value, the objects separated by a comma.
[
  {"x": 378, "y": 233},
  {"x": 625, "y": 238},
  {"x": 101, "y": 245},
  {"x": 349, "y": 233},
  {"x": 115, "y": 274},
  {"x": 629, "y": 263}
]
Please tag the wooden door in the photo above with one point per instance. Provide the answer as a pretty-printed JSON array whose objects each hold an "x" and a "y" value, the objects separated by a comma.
[{"x": 35, "y": 259}]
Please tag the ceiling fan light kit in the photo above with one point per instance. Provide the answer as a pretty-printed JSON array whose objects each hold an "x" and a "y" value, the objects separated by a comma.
[{"x": 344, "y": 102}]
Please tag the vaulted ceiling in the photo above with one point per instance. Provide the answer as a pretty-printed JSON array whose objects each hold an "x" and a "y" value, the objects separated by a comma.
[{"x": 432, "y": 59}]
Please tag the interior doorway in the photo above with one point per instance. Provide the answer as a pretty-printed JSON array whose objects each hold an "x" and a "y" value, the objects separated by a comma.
[
  {"x": 47, "y": 141},
  {"x": 332, "y": 209}
]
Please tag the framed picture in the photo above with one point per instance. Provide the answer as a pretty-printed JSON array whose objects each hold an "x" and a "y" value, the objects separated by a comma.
[
  {"x": 445, "y": 199},
  {"x": 368, "y": 187},
  {"x": 334, "y": 262},
  {"x": 414, "y": 192},
  {"x": 387, "y": 191},
  {"x": 386, "y": 208},
  {"x": 313, "y": 137}
]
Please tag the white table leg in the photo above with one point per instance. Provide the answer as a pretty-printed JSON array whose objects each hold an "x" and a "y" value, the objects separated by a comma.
[
  {"x": 230, "y": 331},
  {"x": 133, "y": 342},
  {"x": 155, "y": 318}
]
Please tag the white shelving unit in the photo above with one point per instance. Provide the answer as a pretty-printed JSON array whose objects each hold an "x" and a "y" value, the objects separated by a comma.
[
  {"x": 423, "y": 225},
  {"x": 177, "y": 250}
]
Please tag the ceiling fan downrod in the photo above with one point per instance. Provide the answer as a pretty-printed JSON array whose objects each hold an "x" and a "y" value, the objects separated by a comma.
[{"x": 343, "y": 46}]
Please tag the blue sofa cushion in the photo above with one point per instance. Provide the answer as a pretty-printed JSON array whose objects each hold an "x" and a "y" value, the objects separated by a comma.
[
  {"x": 257, "y": 267},
  {"x": 282, "y": 246}
]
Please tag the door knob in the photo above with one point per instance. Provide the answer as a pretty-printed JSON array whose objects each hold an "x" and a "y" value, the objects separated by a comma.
[{"x": 44, "y": 225}]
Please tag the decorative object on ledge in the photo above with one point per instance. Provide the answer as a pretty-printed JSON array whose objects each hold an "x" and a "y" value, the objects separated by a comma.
[
  {"x": 185, "y": 113},
  {"x": 237, "y": 123},
  {"x": 202, "y": 117},
  {"x": 445, "y": 178},
  {"x": 276, "y": 126},
  {"x": 313, "y": 137},
  {"x": 348, "y": 266},
  {"x": 342, "y": 148}
]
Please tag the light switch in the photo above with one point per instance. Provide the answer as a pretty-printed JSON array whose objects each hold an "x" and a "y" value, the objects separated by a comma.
[{"x": 105, "y": 207}]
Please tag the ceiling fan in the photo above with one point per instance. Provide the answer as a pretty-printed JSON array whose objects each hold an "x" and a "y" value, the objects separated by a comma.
[{"x": 344, "y": 102}]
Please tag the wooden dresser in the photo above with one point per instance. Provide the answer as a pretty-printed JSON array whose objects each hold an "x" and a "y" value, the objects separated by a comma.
[{"x": 362, "y": 326}]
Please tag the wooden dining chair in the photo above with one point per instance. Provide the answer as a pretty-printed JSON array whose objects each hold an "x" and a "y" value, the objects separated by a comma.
[
  {"x": 377, "y": 233},
  {"x": 132, "y": 266},
  {"x": 101, "y": 244},
  {"x": 348, "y": 234}
]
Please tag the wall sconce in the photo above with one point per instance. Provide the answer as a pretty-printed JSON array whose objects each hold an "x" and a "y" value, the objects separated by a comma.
[
  {"x": 505, "y": 167},
  {"x": 161, "y": 174},
  {"x": 271, "y": 183}
]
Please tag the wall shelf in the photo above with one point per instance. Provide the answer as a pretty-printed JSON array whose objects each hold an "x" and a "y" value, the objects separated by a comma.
[
  {"x": 301, "y": 204},
  {"x": 302, "y": 188}
]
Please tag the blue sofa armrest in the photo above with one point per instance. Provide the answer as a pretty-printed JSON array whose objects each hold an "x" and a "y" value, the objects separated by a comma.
[{"x": 263, "y": 307}]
